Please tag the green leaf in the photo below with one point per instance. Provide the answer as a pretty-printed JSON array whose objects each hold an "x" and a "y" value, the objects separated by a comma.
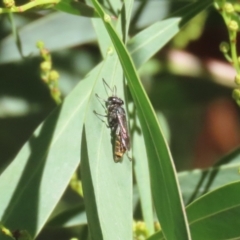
[
  {"x": 143, "y": 46},
  {"x": 76, "y": 8},
  {"x": 197, "y": 182},
  {"x": 170, "y": 213},
  {"x": 70, "y": 217},
  {"x": 156, "y": 236},
  {"x": 61, "y": 24},
  {"x": 158, "y": 34},
  {"x": 107, "y": 186},
  {"x": 216, "y": 215},
  {"x": 141, "y": 170},
  {"x": 40, "y": 173}
]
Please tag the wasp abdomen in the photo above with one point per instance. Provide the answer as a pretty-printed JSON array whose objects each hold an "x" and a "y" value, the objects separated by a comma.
[{"x": 119, "y": 149}]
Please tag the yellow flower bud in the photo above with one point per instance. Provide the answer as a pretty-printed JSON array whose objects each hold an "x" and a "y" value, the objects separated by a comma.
[
  {"x": 40, "y": 44},
  {"x": 141, "y": 230},
  {"x": 224, "y": 47},
  {"x": 45, "y": 66},
  {"x": 53, "y": 75},
  {"x": 237, "y": 79},
  {"x": 236, "y": 94},
  {"x": 228, "y": 7},
  {"x": 107, "y": 18},
  {"x": 9, "y": 3},
  {"x": 233, "y": 25}
]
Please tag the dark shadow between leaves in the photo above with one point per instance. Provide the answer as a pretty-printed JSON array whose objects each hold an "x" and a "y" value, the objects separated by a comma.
[
  {"x": 22, "y": 210},
  {"x": 84, "y": 10},
  {"x": 65, "y": 216},
  {"x": 211, "y": 175},
  {"x": 190, "y": 11},
  {"x": 89, "y": 192}
]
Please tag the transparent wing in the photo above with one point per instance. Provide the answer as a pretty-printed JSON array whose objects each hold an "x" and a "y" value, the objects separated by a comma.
[{"x": 123, "y": 132}]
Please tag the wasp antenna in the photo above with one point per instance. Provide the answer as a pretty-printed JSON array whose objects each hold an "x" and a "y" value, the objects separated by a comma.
[{"x": 115, "y": 91}]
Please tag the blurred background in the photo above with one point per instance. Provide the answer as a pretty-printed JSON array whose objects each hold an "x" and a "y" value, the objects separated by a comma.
[{"x": 189, "y": 82}]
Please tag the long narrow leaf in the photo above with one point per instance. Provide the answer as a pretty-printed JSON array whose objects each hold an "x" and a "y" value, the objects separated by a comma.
[
  {"x": 167, "y": 200},
  {"x": 153, "y": 38},
  {"x": 33, "y": 183},
  {"x": 216, "y": 215},
  {"x": 108, "y": 184},
  {"x": 142, "y": 47},
  {"x": 76, "y": 8},
  {"x": 197, "y": 182},
  {"x": 142, "y": 176}
]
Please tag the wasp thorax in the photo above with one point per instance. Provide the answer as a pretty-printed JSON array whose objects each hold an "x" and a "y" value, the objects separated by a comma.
[{"x": 115, "y": 100}]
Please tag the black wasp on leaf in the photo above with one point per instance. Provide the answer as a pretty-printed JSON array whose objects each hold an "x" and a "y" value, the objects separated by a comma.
[{"x": 117, "y": 123}]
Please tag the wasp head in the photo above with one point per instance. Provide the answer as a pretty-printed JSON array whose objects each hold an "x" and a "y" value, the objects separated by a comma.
[{"x": 115, "y": 101}]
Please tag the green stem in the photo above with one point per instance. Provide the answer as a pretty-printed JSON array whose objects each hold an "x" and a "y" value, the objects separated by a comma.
[
  {"x": 233, "y": 47},
  {"x": 232, "y": 39},
  {"x": 28, "y": 6}
]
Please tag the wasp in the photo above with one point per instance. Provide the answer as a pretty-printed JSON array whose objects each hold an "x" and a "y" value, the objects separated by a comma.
[{"x": 117, "y": 122}]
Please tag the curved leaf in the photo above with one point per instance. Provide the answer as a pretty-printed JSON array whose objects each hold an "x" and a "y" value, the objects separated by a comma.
[
  {"x": 40, "y": 173},
  {"x": 107, "y": 185},
  {"x": 216, "y": 215},
  {"x": 153, "y": 38},
  {"x": 76, "y": 8},
  {"x": 52, "y": 29},
  {"x": 197, "y": 182},
  {"x": 70, "y": 217},
  {"x": 170, "y": 213}
]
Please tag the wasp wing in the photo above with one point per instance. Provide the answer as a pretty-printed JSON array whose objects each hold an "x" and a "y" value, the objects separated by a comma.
[{"x": 123, "y": 132}]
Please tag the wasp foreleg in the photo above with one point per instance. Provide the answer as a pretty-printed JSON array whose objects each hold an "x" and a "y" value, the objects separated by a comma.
[
  {"x": 99, "y": 98},
  {"x": 98, "y": 114}
]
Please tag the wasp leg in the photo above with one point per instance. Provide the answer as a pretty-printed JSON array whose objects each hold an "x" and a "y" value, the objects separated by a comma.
[
  {"x": 99, "y": 98},
  {"x": 98, "y": 114}
]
